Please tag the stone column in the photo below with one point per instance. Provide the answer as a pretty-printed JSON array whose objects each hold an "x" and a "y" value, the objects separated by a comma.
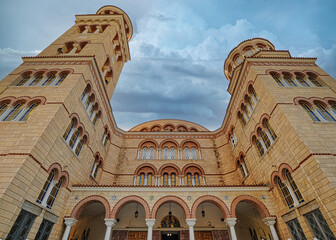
[
  {"x": 231, "y": 222},
  {"x": 109, "y": 224},
  {"x": 191, "y": 223},
  {"x": 150, "y": 223},
  {"x": 270, "y": 221},
  {"x": 69, "y": 222}
]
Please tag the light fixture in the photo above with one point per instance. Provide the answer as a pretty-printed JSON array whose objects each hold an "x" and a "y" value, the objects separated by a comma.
[
  {"x": 203, "y": 212},
  {"x": 136, "y": 212},
  {"x": 170, "y": 216}
]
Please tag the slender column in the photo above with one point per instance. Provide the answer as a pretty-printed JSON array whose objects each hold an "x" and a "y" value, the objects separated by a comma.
[
  {"x": 191, "y": 223},
  {"x": 99, "y": 29},
  {"x": 69, "y": 222},
  {"x": 150, "y": 223},
  {"x": 270, "y": 221},
  {"x": 109, "y": 224},
  {"x": 231, "y": 222}
]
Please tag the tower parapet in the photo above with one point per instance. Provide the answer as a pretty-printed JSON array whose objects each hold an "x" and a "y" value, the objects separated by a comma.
[{"x": 245, "y": 49}]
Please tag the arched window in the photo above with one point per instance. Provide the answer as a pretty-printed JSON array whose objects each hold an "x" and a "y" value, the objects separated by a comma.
[
  {"x": 173, "y": 179},
  {"x": 74, "y": 137},
  {"x": 259, "y": 147},
  {"x": 69, "y": 130},
  {"x": 189, "y": 179},
  {"x": 301, "y": 81},
  {"x": 36, "y": 80},
  {"x": 196, "y": 179},
  {"x": 186, "y": 153},
  {"x": 269, "y": 130},
  {"x": 242, "y": 166},
  {"x": 144, "y": 153},
  {"x": 233, "y": 138},
  {"x": 165, "y": 153},
  {"x": 49, "y": 191},
  {"x": 172, "y": 153},
  {"x": 95, "y": 168},
  {"x": 24, "y": 80},
  {"x": 310, "y": 112},
  {"x": 324, "y": 113},
  {"x": 151, "y": 153},
  {"x": 276, "y": 78},
  {"x": 285, "y": 193},
  {"x": 313, "y": 80},
  {"x": 294, "y": 186},
  {"x": 142, "y": 179},
  {"x": 288, "y": 80},
  {"x": 105, "y": 137},
  {"x": 3, "y": 108},
  {"x": 242, "y": 118},
  {"x": 265, "y": 138},
  {"x": 319, "y": 113},
  {"x": 17, "y": 112},
  {"x": 165, "y": 179},
  {"x": 193, "y": 153},
  {"x": 149, "y": 179}
]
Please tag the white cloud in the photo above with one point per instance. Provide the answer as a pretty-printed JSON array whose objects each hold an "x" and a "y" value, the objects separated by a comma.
[
  {"x": 11, "y": 58},
  {"x": 326, "y": 58}
]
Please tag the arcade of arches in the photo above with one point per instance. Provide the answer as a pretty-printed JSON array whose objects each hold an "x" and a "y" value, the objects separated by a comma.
[{"x": 170, "y": 217}]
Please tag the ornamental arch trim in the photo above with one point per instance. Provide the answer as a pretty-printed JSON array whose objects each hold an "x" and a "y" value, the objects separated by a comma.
[
  {"x": 173, "y": 199},
  {"x": 130, "y": 199},
  {"x": 212, "y": 199},
  {"x": 262, "y": 209},
  {"x": 91, "y": 199}
]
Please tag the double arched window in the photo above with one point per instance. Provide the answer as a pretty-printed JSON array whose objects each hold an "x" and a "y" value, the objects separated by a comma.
[
  {"x": 96, "y": 165},
  {"x": 298, "y": 79},
  {"x": 41, "y": 79},
  {"x": 148, "y": 153},
  {"x": 90, "y": 104},
  {"x": 106, "y": 137},
  {"x": 242, "y": 166},
  {"x": 169, "y": 180},
  {"x": 289, "y": 189},
  {"x": 264, "y": 137},
  {"x": 193, "y": 179},
  {"x": 51, "y": 188},
  {"x": 18, "y": 111},
  {"x": 74, "y": 136},
  {"x": 232, "y": 136},
  {"x": 320, "y": 111},
  {"x": 146, "y": 179}
]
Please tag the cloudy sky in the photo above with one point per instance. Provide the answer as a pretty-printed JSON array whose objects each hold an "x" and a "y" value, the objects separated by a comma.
[{"x": 178, "y": 47}]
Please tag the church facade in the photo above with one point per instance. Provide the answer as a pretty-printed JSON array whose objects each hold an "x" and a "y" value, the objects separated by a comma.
[{"x": 68, "y": 172}]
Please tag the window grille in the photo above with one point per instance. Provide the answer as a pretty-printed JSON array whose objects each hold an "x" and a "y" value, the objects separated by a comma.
[
  {"x": 193, "y": 153},
  {"x": 296, "y": 230},
  {"x": 319, "y": 225},
  {"x": 151, "y": 153},
  {"x": 301, "y": 81},
  {"x": 294, "y": 187},
  {"x": 21, "y": 226},
  {"x": 165, "y": 153},
  {"x": 314, "y": 81},
  {"x": 44, "y": 230},
  {"x": 172, "y": 153}
]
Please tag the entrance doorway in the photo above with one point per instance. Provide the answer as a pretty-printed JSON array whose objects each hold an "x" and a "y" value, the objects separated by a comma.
[{"x": 170, "y": 236}]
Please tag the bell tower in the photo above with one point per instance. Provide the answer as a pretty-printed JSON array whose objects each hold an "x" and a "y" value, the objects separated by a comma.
[{"x": 103, "y": 37}]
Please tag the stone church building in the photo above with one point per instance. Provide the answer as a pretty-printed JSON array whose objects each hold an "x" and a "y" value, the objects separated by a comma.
[{"x": 69, "y": 172}]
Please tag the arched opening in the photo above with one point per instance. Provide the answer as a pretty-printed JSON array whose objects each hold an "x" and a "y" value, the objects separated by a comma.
[
  {"x": 91, "y": 224},
  {"x": 131, "y": 222},
  {"x": 170, "y": 221},
  {"x": 250, "y": 224},
  {"x": 210, "y": 221}
]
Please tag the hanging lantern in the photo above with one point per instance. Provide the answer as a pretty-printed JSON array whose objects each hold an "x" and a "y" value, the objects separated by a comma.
[
  {"x": 136, "y": 212},
  {"x": 203, "y": 212}
]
